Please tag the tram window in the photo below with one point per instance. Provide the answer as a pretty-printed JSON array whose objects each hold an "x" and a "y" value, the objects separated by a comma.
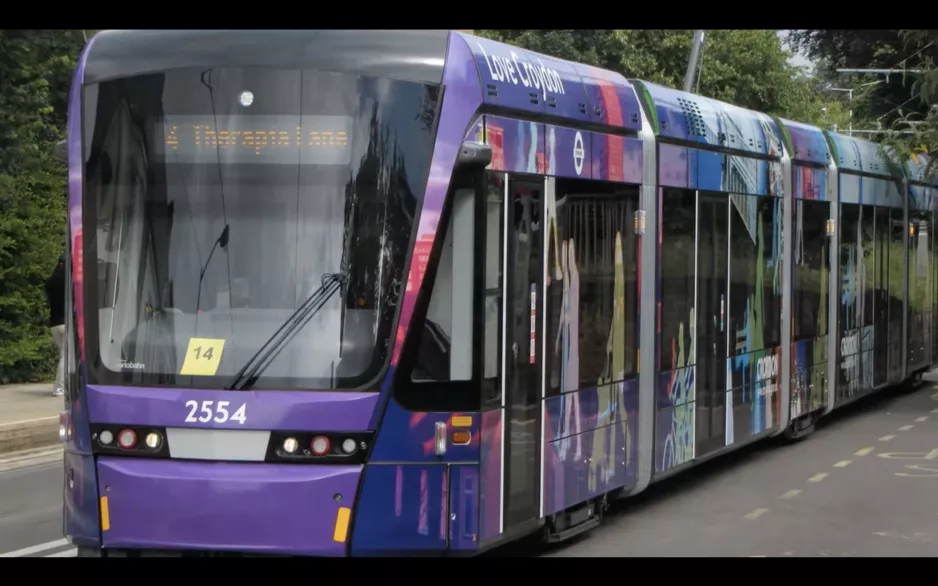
[
  {"x": 867, "y": 244},
  {"x": 896, "y": 280},
  {"x": 811, "y": 276},
  {"x": 849, "y": 265},
  {"x": 677, "y": 253},
  {"x": 744, "y": 241},
  {"x": 880, "y": 261},
  {"x": 492, "y": 309},
  {"x": 445, "y": 348},
  {"x": 593, "y": 220},
  {"x": 770, "y": 219}
]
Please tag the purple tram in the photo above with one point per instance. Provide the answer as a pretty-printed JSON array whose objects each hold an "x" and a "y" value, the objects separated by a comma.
[{"x": 349, "y": 293}]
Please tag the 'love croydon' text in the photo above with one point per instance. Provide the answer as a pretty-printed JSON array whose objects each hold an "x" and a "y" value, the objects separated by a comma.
[{"x": 516, "y": 69}]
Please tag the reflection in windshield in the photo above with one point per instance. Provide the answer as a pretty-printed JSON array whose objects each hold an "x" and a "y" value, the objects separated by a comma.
[
  {"x": 218, "y": 210},
  {"x": 273, "y": 346}
]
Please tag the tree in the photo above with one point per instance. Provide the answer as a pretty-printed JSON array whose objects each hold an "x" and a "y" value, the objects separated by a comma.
[
  {"x": 35, "y": 72},
  {"x": 869, "y": 49},
  {"x": 915, "y": 131},
  {"x": 748, "y": 68}
]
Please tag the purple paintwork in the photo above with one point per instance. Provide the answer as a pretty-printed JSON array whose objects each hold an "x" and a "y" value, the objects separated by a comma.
[
  {"x": 588, "y": 408},
  {"x": 527, "y": 81},
  {"x": 532, "y": 82},
  {"x": 80, "y": 502},
  {"x": 490, "y": 491},
  {"x": 80, "y": 498},
  {"x": 613, "y": 95},
  {"x": 673, "y": 166},
  {"x": 463, "y": 507},
  {"x": 617, "y": 158},
  {"x": 401, "y": 508},
  {"x": 569, "y": 152},
  {"x": 807, "y": 143},
  {"x": 461, "y": 101},
  {"x": 598, "y": 459},
  {"x": 264, "y": 410},
  {"x": 282, "y": 508}
]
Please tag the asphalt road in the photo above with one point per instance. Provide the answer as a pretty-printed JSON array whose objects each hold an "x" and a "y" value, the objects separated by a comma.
[
  {"x": 31, "y": 512},
  {"x": 862, "y": 485}
]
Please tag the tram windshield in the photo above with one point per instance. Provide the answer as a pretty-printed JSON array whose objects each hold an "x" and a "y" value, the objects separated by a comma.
[{"x": 216, "y": 199}]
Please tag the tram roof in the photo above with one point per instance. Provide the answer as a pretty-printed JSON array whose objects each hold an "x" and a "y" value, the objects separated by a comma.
[
  {"x": 410, "y": 55},
  {"x": 689, "y": 117}
]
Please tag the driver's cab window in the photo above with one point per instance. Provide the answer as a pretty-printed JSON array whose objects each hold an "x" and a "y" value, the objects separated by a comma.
[{"x": 445, "y": 348}]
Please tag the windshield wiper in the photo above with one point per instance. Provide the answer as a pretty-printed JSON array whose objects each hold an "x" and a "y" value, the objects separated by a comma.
[{"x": 331, "y": 283}]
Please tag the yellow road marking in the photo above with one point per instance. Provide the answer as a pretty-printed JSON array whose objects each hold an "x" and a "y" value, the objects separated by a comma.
[
  {"x": 863, "y": 452},
  {"x": 790, "y": 494},
  {"x": 842, "y": 464},
  {"x": 906, "y": 427},
  {"x": 886, "y": 438},
  {"x": 756, "y": 514},
  {"x": 932, "y": 455},
  {"x": 818, "y": 477},
  {"x": 921, "y": 419}
]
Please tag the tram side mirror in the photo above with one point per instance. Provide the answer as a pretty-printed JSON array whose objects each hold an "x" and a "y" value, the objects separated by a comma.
[
  {"x": 60, "y": 151},
  {"x": 474, "y": 155}
]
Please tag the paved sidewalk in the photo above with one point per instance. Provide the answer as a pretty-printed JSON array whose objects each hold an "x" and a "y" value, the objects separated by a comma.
[{"x": 30, "y": 401}]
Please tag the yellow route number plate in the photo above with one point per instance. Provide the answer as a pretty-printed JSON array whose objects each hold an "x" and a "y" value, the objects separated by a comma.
[{"x": 202, "y": 357}]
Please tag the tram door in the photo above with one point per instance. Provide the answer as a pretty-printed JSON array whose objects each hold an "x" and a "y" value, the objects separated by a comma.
[
  {"x": 522, "y": 356},
  {"x": 712, "y": 249}
]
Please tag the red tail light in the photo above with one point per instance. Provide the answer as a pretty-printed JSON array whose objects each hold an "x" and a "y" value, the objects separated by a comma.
[
  {"x": 127, "y": 439},
  {"x": 320, "y": 445}
]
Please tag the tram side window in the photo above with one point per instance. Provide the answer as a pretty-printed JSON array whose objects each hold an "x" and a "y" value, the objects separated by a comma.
[
  {"x": 492, "y": 301},
  {"x": 770, "y": 216},
  {"x": 445, "y": 348},
  {"x": 868, "y": 243},
  {"x": 880, "y": 276},
  {"x": 918, "y": 273},
  {"x": 811, "y": 271},
  {"x": 591, "y": 274},
  {"x": 850, "y": 273},
  {"x": 896, "y": 283},
  {"x": 677, "y": 253},
  {"x": 744, "y": 242}
]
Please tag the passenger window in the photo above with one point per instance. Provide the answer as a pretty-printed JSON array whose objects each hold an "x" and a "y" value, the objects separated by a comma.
[
  {"x": 492, "y": 300},
  {"x": 445, "y": 349},
  {"x": 592, "y": 284}
]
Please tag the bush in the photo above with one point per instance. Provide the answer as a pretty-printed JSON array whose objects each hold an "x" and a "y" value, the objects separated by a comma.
[
  {"x": 31, "y": 239},
  {"x": 35, "y": 71}
]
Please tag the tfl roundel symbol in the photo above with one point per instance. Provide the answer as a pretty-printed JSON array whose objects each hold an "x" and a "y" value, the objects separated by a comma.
[{"x": 578, "y": 153}]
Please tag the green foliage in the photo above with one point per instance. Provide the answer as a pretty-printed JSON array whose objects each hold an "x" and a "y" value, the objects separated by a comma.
[
  {"x": 915, "y": 129},
  {"x": 869, "y": 49},
  {"x": 35, "y": 72},
  {"x": 748, "y": 68}
]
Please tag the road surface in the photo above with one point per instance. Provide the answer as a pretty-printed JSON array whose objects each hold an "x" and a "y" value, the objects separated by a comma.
[
  {"x": 31, "y": 512},
  {"x": 862, "y": 485}
]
